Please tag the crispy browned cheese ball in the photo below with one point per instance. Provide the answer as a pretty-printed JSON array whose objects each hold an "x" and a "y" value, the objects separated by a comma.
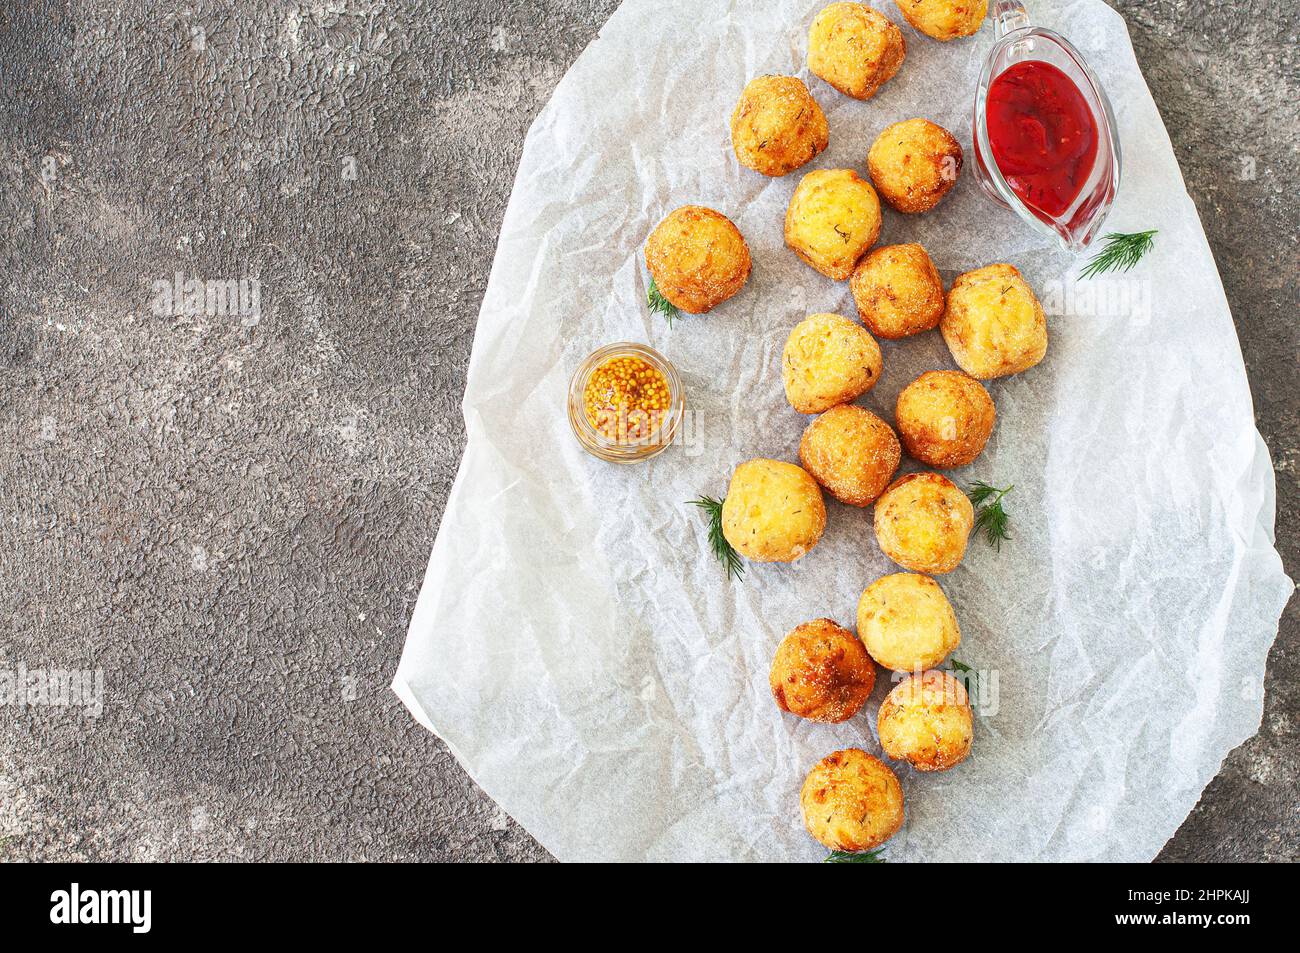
[
  {"x": 923, "y": 521},
  {"x": 773, "y": 511},
  {"x": 697, "y": 258},
  {"x": 851, "y": 801},
  {"x": 944, "y": 19},
  {"x": 833, "y": 218},
  {"x": 926, "y": 721},
  {"x": 898, "y": 291},
  {"x": 828, "y": 360},
  {"x": 851, "y": 452},
  {"x": 994, "y": 325},
  {"x": 914, "y": 163},
  {"x": 906, "y": 622},
  {"x": 854, "y": 48},
  {"x": 945, "y": 418},
  {"x": 822, "y": 672},
  {"x": 777, "y": 126}
]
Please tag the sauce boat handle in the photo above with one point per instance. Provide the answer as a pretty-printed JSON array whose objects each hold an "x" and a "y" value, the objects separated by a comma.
[{"x": 1008, "y": 16}]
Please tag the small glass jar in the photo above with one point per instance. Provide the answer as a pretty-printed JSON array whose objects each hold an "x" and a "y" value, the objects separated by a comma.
[{"x": 643, "y": 437}]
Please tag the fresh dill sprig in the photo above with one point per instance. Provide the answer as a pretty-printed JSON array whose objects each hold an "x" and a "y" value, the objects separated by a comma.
[
  {"x": 1120, "y": 253},
  {"x": 968, "y": 677},
  {"x": 990, "y": 518},
  {"x": 717, "y": 541},
  {"x": 848, "y": 857},
  {"x": 658, "y": 303}
]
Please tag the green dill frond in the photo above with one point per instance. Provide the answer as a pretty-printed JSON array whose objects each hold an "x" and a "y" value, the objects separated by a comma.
[
  {"x": 990, "y": 518},
  {"x": 968, "y": 677},
  {"x": 717, "y": 540},
  {"x": 1120, "y": 253},
  {"x": 849, "y": 857},
  {"x": 658, "y": 303}
]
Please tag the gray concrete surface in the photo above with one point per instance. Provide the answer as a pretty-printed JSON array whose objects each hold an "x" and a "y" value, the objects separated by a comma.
[{"x": 230, "y": 515}]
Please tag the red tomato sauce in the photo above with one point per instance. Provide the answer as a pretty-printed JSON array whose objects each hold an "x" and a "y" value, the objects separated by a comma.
[{"x": 1043, "y": 135}]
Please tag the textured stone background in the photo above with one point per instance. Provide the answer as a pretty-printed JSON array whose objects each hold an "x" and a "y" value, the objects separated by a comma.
[{"x": 231, "y": 517}]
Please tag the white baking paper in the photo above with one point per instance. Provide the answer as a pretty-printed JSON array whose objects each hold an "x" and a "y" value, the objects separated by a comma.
[{"x": 591, "y": 665}]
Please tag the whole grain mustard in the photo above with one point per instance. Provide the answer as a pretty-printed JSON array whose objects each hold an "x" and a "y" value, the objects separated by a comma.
[{"x": 625, "y": 398}]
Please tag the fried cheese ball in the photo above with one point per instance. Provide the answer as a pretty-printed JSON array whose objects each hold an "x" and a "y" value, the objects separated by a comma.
[
  {"x": 833, "y": 218},
  {"x": 926, "y": 721},
  {"x": 773, "y": 511},
  {"x": 914, "y": 163},
  {"x": 828, "y": 360},
  {"x": 994, "y": 325},
  {"x": 923, "y": 521},
  {"x": 851, "y": 452},
  {"x": 944, "y": 418},
  {"x": 851, "y": 801},
  {"x": 777, "y": 125},
  {"x": 944, "y": 19},
  {"x": 697, "y": 258},
  {"x": 906, "y": 622},
  {"x": 822, "y": 672},
  {"x": 898, "y": 291},
  {"x": 854, "y": 48}
]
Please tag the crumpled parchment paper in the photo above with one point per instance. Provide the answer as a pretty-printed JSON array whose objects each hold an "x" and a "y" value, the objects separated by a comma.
[{"x": 589, "y": 662}]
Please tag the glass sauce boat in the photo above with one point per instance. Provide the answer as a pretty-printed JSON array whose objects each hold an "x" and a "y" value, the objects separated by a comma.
[{"x": 1048, "y": 117}]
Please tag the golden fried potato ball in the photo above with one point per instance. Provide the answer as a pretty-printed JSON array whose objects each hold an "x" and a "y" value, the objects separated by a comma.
[
  {"x": 854, "y": 48},
  {"x": 822, "y": 672},
  {"x": 914, "y": 163},
  {"x": 851, "y": 801},
  {"x": 994, "y": 325},
  {"x": 773, "y": 511},
  {"x": 828, "y": 360},
  {"x": 944, "y": 19},
  {"x": 923, "y": 521},
  {"x": 906, "y": 622},
  {"x": 926, "y": 721},
  {"x": 777, "y": 125},
  {"x": 697, "y": 258},
  {"x": 833, "y": 218},
  {"x": 898, "y": 291},
  {"x": 945, "y": 418},
  {"x": 851, "y": 452}
]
